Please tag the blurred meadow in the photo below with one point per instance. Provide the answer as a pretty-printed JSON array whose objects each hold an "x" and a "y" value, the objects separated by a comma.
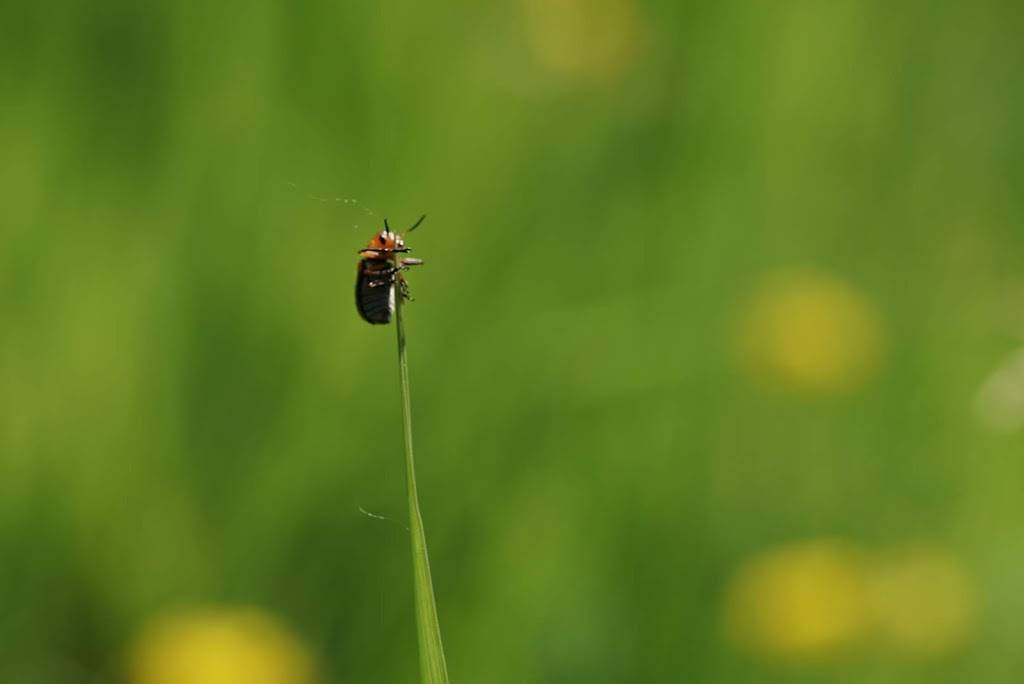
[{"x": 717, "y": 355}]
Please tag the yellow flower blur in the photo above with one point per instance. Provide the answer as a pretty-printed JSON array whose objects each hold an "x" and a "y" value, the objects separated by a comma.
[
  {"x": 239, "y": 646},
  {"x": 809, "y": 332},
  {"x": 592, "y": 40},
  {"x": 804, "y": 601},
  {"x": 812, "y": 600},
  {"x": 923, "y": 601}
]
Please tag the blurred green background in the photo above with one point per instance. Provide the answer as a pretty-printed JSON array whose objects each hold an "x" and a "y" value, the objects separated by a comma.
[{"x": 713, "y": 356}]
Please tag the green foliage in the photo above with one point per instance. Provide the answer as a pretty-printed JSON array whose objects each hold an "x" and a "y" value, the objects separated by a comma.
[
  {"x": 433, "y": 668},
  {"x": 191, "y": 412}
]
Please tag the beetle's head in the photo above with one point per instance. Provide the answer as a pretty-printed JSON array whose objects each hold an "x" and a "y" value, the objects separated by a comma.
[{"x": 383, "y": 243}]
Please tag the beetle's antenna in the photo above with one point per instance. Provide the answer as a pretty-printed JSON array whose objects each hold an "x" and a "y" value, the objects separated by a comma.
[
  {"x": 386, "y": 226},
  {"x": 416, "y": 224}
]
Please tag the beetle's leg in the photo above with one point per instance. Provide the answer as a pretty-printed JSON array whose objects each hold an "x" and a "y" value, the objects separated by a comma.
[
  {"x": 405, "y": 264},
  {"x": 387, "y": 276},
  {"x": 403, "y": 288},
  {"x": 383, "y": 250},
  {"x": 392, "y": 273},
  {"x": 387, "y": 279}
]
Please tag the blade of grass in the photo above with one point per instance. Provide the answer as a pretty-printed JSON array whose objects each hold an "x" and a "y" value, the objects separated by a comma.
[{"x": 433, "y": 668}]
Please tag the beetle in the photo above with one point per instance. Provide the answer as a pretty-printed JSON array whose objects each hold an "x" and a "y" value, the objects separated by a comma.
[{"x": 380, "y": 274}]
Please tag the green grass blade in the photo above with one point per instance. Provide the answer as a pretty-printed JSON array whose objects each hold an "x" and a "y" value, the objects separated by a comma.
[{"x": 433, "y": 668}]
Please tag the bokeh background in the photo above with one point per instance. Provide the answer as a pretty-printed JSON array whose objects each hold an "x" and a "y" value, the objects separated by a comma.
[{"x": 717, "y": 355}]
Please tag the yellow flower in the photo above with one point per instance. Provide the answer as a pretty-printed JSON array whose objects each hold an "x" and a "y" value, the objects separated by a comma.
[
  {"x": 809, "y": 332},
  {"x": 592, "y": 40},
  {"x": 228, "y": 646},
  {"x": 803, "y": 601},
  {"x": 999, "y": 403},
  {"x": 923, "y": 601}
]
